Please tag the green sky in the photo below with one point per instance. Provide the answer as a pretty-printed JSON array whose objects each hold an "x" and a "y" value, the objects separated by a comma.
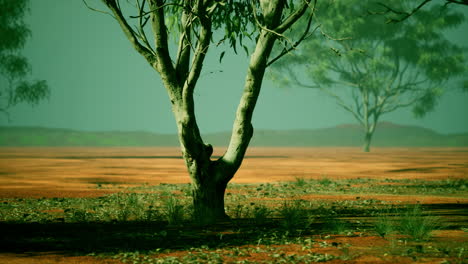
[{"x": 99, "y": 82}]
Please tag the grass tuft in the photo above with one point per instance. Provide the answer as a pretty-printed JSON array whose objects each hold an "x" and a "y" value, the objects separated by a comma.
[
  {"x": 384, "y": 226},
  {"x": 295, "y": 216},
  {"x": 417, "y": 225},
  {"x": 174, "y": 211},
  {"x": 260, "y": 214}
]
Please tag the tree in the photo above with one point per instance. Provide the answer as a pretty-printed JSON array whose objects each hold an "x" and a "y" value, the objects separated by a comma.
[
  {"x": 14, "y": 67},
  {"x": 371, "y": 68},
  {"x": 193, "y": 23}
]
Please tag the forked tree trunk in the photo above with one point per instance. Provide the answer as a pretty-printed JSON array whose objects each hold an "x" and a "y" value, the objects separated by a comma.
[{"x": 209, "y": 178}]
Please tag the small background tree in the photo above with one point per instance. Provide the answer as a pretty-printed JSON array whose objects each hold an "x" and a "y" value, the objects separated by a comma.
[
  {"x": 372, "y": 68},
  {"x": 14, "y": 68}
]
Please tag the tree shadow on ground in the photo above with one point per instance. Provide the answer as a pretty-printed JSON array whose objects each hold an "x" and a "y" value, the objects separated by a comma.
[
  {"x": 85, "y": 238},
  {"x": 114, "y": 237}
]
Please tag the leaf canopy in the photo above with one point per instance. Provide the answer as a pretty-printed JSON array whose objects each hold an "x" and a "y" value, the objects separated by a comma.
[
  {"x": 382, "y": 65},
  {"x": 14, "y": 67}
]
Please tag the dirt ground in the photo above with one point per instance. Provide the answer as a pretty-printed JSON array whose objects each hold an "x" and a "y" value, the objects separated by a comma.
[{"x": 76, "y": 172}]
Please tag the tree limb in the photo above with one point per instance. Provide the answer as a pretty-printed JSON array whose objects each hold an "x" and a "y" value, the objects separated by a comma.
[
  {"x": 197, "y": 61},
  {"x": 406, "y": 15},
  {"x": 97, "y": 10},
  {"x": 141, "y": 24},
  {"x": 184, "y": 48},
  {"x": 145, "y": 52},
  {"x": 289, "y": 21},
  {"x": 303, "y": 37}
]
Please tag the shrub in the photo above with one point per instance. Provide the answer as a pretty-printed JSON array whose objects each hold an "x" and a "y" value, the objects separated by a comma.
[
  {"x": 174, "y": 211},
  {"x": 384, "y": 226},
  {"x": 295, "y": 216},
  {"x": 260, "y": 214},
  {"x": 300, "y": 182},
  {"x": 416, "y": 225}
]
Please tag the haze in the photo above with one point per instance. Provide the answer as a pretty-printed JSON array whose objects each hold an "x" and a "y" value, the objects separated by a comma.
[{"x": 99, "y": 83}]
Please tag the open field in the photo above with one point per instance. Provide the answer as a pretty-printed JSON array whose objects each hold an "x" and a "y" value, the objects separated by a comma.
[
  {"x": 288, "y": 205},
  {"x": 74, "y": 172}
]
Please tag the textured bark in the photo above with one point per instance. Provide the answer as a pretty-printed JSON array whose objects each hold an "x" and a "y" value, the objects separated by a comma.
[{"x": 208, "y": 200}]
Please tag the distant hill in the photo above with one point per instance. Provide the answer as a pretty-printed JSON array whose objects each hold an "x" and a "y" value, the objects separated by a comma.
[{"x": 387, "y": 134}]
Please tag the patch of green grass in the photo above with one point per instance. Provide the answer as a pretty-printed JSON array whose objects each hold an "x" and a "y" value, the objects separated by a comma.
[
  {"x": 294, "y": 216},
  {"x": 138, "y": 218},
  {"x": 417, "y": 225},
  {"x": 174, "y": 211},
  {"x": 384, "y": 225},
  {"x": 260, "y": 214},
  {"x": 336, "y": 226},
  {"x": 325, "y": 182},
  {"x": 300, "y": 182}
]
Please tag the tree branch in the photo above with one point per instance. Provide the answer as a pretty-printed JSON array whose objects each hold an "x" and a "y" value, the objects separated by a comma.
[
  {"x": 164, "y": 64},
  {"x": 141, "y": 24},
  {"x": 405, "y": 15},
  {"x": 346, "y": 107},
  {"x": 288, "y": 22},
  {"x": 129, "y": 33},
  {"x": 184, "y": 48},
  {"x": 197, "y": 61},
  {"x": 303, "y": 37},
  {"x": 97, "y": 10}
]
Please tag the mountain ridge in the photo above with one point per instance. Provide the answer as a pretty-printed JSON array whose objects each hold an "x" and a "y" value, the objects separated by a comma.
[{"x": 387, "y": 134}]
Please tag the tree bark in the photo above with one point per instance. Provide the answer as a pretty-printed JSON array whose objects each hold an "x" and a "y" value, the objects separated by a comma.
[
  {"x": 369, "y": 132},
  {"x": 367, "y": 141},
  {"x": 208, "y": 201}
]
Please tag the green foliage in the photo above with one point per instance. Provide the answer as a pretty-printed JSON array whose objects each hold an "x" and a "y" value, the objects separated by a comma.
[
  {"x": 295, "y": 216},
  {"x": 260, "y": 214},
  {"x": 174, "y": 211},
  {"x": 384, "y": 225},
  {"x": 13, "y": 30},
  {"x": 14, "y": 68},
  {"x": 335, "y": 225},
  {"x": 417, "y": 225},
  {"x": 234, "y": 21},
  {"x": 300, "y": 182}
]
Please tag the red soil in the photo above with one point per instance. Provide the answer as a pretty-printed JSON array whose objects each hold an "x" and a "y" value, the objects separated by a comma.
[{"x": 76, "y": 172}]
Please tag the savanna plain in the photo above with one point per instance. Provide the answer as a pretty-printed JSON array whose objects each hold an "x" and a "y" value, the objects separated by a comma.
[{"x": 287, "y": 205}]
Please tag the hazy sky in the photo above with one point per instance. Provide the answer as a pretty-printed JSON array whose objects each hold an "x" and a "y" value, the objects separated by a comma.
[{"x": 99, "y": 82}]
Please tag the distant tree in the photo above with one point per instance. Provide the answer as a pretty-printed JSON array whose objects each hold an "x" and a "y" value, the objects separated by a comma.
[
  {"x": 193, "y": 23},
  {"x": 372, "y": 68},
  {"x": 14, "y": 68}
]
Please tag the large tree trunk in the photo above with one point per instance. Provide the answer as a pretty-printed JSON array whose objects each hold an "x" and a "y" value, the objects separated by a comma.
[
  {"x": 209, "y": 177},
  {"x": 208, "y": 201}
]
